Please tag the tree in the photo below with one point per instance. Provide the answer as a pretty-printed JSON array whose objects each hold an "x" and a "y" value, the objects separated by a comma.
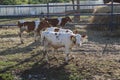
[
  {"x": 10, "y": 2},
  {"x": 13, "y": 2}
]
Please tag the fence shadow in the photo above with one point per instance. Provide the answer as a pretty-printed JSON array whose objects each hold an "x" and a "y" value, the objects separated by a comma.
[{"x": 43, "y": 70}]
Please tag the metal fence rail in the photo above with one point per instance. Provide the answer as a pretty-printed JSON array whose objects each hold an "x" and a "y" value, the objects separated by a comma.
[
  {"x": 36, "y": 9},
  {"x": 21, "y": 11}
]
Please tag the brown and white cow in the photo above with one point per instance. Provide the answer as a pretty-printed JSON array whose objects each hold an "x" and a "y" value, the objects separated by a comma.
[
  {"x": 61, "y": 39},
  {"x": 58, "y": 21},
  {"x": 29, "y": 26}
]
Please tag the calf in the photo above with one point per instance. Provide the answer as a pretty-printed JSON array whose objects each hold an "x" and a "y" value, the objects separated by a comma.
[
  {"x": 35, "y": 26},
  {"x": 60, "y": 39},
  {"x": 58, "y": 21}
]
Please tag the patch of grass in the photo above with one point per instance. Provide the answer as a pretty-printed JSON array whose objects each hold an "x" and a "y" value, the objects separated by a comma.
[
  {"x": 75, "y": 76},
  {"x": 4, "y": 64},
  {"x": 6, "y": 76}
]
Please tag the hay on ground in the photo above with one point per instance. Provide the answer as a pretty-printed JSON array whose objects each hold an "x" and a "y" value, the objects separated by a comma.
[{"x": 106, "y": 22}]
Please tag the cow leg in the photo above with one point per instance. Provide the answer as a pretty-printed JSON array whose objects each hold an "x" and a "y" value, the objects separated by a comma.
[
  {"x": 53, "y": 51},
  {"x": 21, "y": 33},
  {"x": 35, "y": 36},
  {"x": 42, "y": 39},
  {"x": 21, "y": 39},
  {"x": 67, "y": 54},
  {"x": 39, "y": 36},
  {"x": 46, "y": 55},
  {"x": 46, "y": 50}
]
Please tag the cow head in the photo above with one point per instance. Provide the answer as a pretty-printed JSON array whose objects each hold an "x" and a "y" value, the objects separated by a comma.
[
  {"x": 68, "y": 19},
  {"x": 84, "y": 38},
  {"x": 80, "y": 39},
  {"x": 73, "y": 39}
]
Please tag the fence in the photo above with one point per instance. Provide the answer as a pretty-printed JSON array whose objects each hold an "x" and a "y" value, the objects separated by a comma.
[
  {"x": 19, "y": 10},
  {"x": 54, "y": 9}
]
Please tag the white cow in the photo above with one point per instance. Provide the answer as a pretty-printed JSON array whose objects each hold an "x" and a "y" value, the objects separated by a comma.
[{"x": 60, "y": 39}]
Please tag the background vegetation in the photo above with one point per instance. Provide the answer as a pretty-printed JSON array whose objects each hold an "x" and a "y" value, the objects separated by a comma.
[{"x": 14, "y": 2}]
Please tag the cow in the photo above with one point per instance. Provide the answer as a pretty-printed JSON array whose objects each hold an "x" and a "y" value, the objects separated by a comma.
[
  {"x": 58, "y": 21},
  {"x": 32, "y": 26},
  {"x": 59, "y": 40}
]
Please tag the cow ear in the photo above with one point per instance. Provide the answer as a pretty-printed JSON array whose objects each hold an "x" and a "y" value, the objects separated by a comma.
[{"x": 72, "y": 37}]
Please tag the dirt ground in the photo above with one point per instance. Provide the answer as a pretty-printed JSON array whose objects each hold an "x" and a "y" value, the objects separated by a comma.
[{"x": 97, "y": 59}]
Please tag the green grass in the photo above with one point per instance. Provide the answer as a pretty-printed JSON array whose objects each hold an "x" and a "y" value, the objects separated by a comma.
[
  {"x": 6, "y": 76},
  {"x": 6, "y": 63}
]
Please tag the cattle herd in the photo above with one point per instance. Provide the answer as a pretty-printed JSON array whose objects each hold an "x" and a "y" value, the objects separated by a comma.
[{"x": 51, "y": 35}]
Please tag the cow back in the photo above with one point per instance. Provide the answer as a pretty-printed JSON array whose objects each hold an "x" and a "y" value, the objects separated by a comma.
[{"x": 54, "y": 21}]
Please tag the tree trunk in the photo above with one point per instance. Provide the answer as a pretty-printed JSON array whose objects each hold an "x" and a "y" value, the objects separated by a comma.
[{"x": 73, "y": 4}]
